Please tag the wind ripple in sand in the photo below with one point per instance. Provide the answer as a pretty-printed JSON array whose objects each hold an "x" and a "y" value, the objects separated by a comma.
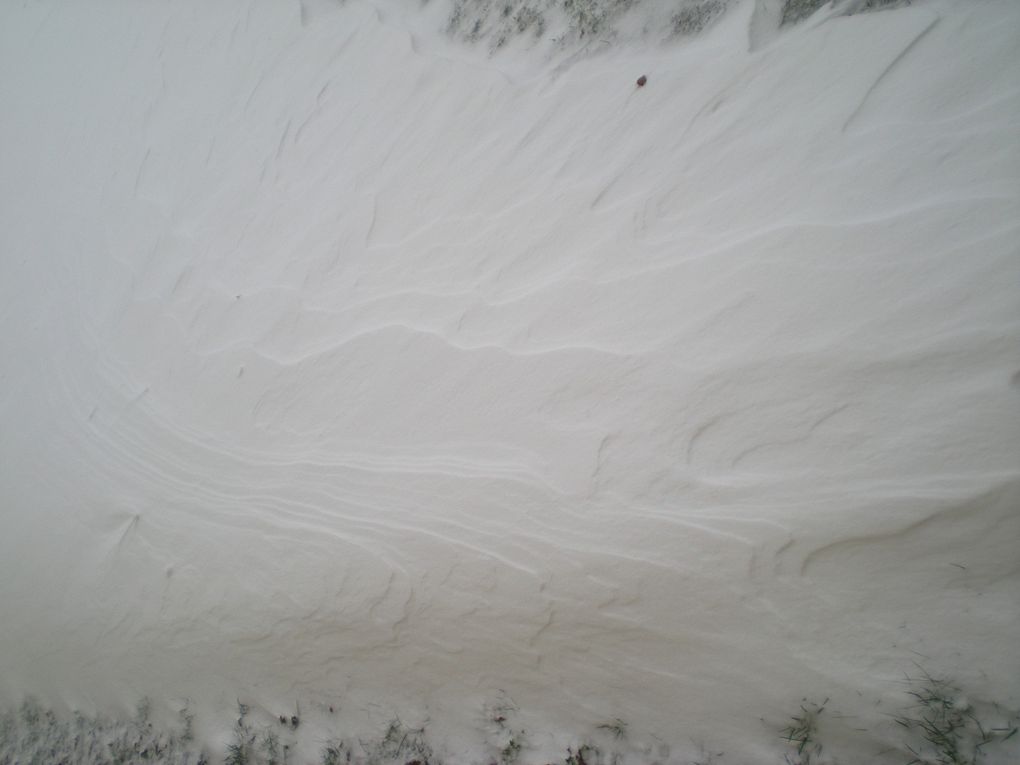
[{"x": 339, "y": 361}]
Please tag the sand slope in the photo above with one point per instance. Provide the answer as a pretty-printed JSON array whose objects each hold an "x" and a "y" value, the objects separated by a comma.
[{"x": 343, "y": 363}]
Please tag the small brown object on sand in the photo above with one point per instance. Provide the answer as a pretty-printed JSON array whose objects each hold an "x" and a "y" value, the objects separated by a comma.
[{"x": 641, "y": 81}]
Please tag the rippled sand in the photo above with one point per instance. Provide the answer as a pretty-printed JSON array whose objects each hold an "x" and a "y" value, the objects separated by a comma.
[{"x": 345, "y": 364}]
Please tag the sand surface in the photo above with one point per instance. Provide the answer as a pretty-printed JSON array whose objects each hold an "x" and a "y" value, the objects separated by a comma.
[{"x": 347, "y": 364}]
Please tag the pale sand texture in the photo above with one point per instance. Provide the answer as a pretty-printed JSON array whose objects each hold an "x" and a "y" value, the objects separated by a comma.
[{"x": 345, "y": 363}]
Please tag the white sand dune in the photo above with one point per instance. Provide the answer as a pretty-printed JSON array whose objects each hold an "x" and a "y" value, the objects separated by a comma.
[{"x": 344, "y": 363}]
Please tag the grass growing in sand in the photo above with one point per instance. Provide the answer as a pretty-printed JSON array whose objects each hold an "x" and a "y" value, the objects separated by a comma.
[
  {"x": 802, "y": 733},
  {"x": 953, "y": 729},
  {"x": 939, "y": 725}
]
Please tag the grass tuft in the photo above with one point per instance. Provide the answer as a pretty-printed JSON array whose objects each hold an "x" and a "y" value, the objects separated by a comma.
[
  {"x": 507, "y": 741},
  {"x": 401, "y": 743},
  {"x": 802, "y": 733},
  {"x": 949, "y": 724}
]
